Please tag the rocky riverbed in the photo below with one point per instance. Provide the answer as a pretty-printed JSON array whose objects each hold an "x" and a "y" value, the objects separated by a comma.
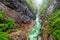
[{"x": 24, "y": 18}]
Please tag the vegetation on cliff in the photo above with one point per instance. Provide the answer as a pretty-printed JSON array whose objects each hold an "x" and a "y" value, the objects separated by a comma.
[
  {"x": 5, "y": 25},
  {"x": 22, "y": 14},
  {"x": 54, "y": 22}
]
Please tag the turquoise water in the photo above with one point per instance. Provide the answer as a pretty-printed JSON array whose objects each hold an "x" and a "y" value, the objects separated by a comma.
[{"x": 34, "y": 32}]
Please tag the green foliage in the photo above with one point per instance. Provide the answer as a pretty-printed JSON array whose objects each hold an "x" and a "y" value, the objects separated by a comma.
[
  {"x": 4, "y": 36},
  {"x": 54, "y": 24},
  {"x": 44, "y": 6},
  {"x": 57, "y": 7},
  {"x": 5, "y": 24},
  {"x": 56, "y": 34},
  {"x": 1, "y": 14},
  {"x": 31, "y": 5}
]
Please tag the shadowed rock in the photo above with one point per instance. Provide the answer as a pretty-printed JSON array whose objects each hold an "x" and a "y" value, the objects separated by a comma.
[
  {"x": 18, "y": 11},
  {"x": 9, "y": 13},
  {"x": 19, "y": 6}
]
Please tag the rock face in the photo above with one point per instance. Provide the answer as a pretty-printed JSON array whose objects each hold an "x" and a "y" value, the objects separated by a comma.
[
  {"x": 45, "y": 31},
  {"x": 20, "y": 6},
  {"x": 18, "y": 10},
  {"x": 17, "y": 36},
  {"x": 22, "y": 32}
]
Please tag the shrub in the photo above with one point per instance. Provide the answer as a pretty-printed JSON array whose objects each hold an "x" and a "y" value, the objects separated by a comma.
[
  {"x": 5, "y": 24},
  {"x": 4, "y": 36},
  {"x": 54, "y": 24}
]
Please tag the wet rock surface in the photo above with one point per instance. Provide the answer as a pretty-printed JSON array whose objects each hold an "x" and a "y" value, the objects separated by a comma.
[
  {"x": 19, "y": 6},
  {"x": 22, "y": 15},
  {"x": 19, "y": 10}
]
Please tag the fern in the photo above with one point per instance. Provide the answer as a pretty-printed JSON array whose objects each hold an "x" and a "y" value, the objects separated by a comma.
[
  {"x": 54, "y": 24},
  {"x": 5, "y": 24},
  {"x": 4, "y": 36}
]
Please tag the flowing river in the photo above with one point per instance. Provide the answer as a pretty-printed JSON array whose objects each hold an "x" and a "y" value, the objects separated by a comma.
[{"x": 35, "y": 31}]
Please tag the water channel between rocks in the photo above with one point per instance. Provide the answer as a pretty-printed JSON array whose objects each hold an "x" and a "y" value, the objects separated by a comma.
[{"x": 34, "y": 32}]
